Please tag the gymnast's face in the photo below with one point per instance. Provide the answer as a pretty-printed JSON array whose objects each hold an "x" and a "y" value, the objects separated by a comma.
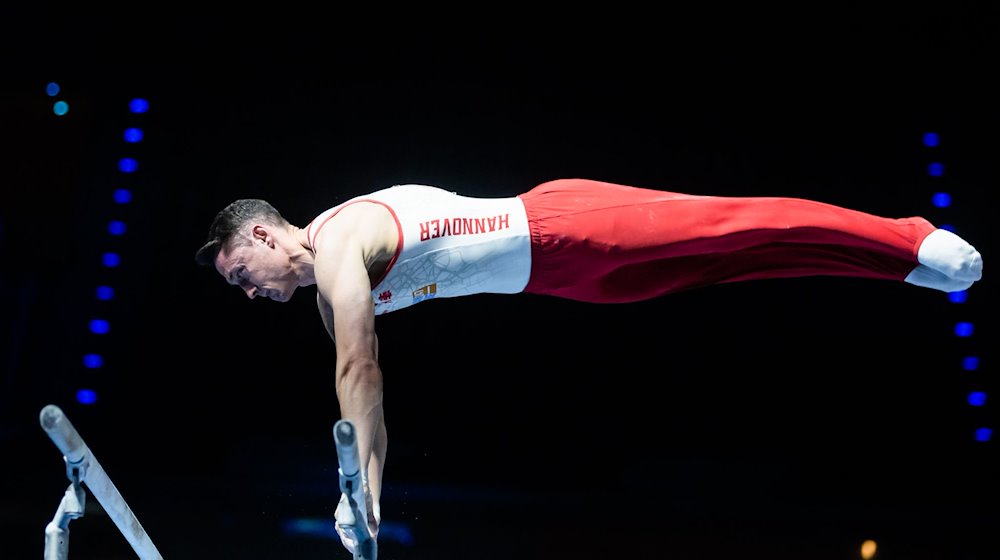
[{"x": 260, "y": 268}]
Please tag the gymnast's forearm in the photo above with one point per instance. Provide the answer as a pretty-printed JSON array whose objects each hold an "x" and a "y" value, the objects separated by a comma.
[
  {"x": 359, "y": 391},
  {"x": 377, "y": 461}
]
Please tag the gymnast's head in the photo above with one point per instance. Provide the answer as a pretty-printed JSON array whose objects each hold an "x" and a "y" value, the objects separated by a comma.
[{"x": 252, "y": 246}]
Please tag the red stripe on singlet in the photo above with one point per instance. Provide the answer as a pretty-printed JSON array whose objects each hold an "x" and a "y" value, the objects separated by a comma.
[{"x": 399, "y": 229}]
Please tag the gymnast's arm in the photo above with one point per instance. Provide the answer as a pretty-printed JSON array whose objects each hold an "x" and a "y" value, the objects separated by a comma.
[{"x": 345, "y": 302}]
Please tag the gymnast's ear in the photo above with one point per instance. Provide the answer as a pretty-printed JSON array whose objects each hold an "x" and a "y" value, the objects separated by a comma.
[{"x": 261, "y": 233}]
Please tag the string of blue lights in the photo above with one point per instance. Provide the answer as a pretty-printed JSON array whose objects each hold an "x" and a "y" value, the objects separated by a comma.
[
  {"x": 964, "y": 328},
  {"x": 115, "y": 227}
]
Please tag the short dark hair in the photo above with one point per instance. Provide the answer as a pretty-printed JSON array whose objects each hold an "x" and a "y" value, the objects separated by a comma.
[{"x": 225, "y": 228}]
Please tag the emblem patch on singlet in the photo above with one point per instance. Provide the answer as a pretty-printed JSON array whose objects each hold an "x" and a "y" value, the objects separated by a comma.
[{"x": 426, "y": 292}]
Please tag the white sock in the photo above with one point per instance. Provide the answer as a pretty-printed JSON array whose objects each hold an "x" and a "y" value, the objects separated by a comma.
[
  {"x": 927, "y": 277},
  {"x": 950, "y": 255}
]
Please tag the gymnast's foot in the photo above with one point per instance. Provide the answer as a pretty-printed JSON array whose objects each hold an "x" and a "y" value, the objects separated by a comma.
[{"x": 947, "y": 263}]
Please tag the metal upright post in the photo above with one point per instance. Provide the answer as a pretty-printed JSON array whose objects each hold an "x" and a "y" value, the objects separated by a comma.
[
  {"x": 82, "y": 467},
  {"x": 352, "y": 485}
]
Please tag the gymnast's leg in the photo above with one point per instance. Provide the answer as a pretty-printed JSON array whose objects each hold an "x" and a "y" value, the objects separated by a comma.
[{"x": 602, "y": 242}]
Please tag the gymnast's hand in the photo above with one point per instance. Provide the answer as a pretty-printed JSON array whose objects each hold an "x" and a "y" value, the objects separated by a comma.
[{"x": 346, "y": 532}]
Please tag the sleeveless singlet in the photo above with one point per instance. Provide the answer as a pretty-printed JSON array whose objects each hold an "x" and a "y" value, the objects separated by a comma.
[{"x": 449, "y": 245}]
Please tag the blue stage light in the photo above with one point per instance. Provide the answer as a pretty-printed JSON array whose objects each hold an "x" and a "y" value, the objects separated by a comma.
[
  {"x": 86, "y": 396},
  {"x": 138, "y": 105},
  {"x": 128, "y": 165},
  {"x": 963, "y": 329},
  {"x": 122, "y": 196},
  {"x": 92, "y": 361},
  {"x": 133, "y": 135},
  {"x": 958, "y": 297},
  {"x": 977, "y": 398},
  {"x": 99, "y": 326},
  {"x": 941, "y": 200}
]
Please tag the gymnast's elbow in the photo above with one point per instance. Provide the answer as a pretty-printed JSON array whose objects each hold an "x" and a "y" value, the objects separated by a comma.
[{"x": 358, "y": 375}]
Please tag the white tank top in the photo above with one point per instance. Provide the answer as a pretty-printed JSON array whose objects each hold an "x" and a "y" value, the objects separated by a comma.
[{"x": 449, "y": 245}]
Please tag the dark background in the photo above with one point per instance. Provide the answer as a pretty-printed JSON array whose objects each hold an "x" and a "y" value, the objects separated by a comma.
[{"x": 780, "y": 419}]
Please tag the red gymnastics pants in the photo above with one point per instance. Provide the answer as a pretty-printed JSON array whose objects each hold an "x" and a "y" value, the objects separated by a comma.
[{"x": 605, "y": 243}]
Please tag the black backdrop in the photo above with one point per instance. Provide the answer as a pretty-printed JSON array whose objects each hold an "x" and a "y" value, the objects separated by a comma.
[{"x": 779, "y": 419}]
